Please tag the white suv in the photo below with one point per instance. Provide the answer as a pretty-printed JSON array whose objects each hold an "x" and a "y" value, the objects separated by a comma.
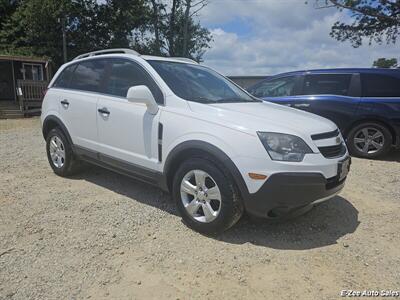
[{"x": 184, "y": 127}]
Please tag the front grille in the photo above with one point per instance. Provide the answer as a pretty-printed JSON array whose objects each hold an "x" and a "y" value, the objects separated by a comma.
[
  {"x": 325, "y": 135},
  {"x": 333, "y": 151}
]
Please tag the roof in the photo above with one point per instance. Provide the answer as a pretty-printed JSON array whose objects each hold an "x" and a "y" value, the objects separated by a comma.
[
  {"x": 249, "y": 76},
  {"x": 339, "y": 70},
  {"x": 23, "y": 58}
]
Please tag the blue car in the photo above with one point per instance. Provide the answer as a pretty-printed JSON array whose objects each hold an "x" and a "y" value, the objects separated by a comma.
[{"x": 364, "y": 103}]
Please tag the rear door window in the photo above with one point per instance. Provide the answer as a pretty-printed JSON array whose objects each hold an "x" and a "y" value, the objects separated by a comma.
[
  {"x": 279, "y": 87},
  {"x": 322, "y": 84},
  {"x": 376, "y": 85},
  {"x": 90, "y": 76},
  {"x": 64, "y": 79}
]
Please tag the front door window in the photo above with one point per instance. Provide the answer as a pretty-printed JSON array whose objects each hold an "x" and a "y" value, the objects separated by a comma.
[{"x": 280, "y": 87}]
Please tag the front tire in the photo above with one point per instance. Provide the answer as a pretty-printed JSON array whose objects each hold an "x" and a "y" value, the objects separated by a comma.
[
  {"x": 369, "y": 140},
  {"x": 207, "y": 199},
  {"x": 60, "y": 155}
]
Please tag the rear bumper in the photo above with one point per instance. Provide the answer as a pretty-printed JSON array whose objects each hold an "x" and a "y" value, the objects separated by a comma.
[{"x": 288, "y": 191}]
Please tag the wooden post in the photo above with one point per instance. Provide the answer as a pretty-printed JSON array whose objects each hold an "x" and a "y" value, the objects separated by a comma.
[
  {"x": 47, "y": 66},
  {"x": 13, "y": 78}
]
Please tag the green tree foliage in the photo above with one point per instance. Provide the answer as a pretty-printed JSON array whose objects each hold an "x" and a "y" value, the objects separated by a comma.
[
  {"x": 376, "y": 20},
  {"x": 7, "y": 8},
  {"x": 34, "y": 27},
  {"x": 385, "y": 63},
  {"x": 173, "y": 30},
  {"x": 118, "y": 18}
]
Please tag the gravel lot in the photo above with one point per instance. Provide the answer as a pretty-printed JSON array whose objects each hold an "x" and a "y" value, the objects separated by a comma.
[{"x": 101, "y": 235}]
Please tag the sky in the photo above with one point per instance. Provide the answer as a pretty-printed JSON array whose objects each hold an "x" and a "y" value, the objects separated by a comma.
[{"x": 266, "y": 37}]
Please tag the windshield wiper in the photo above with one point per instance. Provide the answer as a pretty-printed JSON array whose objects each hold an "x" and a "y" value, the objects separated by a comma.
[
  {"x": 203, "y": 100},
  {"x": 223, "y": 100}
]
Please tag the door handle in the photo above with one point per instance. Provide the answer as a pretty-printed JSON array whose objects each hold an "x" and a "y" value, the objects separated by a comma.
[
  {"x": 104, "y": 111},
  {"x": 65, "y": 103},
  {"x": 302, "y": 105}
]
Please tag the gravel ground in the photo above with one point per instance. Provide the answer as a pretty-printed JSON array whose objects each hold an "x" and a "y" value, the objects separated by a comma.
[{"x": 101, "y": 235}]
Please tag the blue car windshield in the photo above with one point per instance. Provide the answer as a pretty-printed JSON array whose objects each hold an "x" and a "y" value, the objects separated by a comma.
[{"x": 198, "y": 83}]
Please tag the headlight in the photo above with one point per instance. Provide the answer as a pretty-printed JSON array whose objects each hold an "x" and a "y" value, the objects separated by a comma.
[{"x": 284, "y": 147}]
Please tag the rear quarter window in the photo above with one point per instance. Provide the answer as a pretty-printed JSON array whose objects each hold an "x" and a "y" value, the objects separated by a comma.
[{"x": 377, "y": 85}]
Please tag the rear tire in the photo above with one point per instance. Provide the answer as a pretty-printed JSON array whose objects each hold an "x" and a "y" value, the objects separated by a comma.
[
  {"x": 60, "y": 155},
  {"x": 369, "y": 140},
  {"x": 211, "y": 205}
]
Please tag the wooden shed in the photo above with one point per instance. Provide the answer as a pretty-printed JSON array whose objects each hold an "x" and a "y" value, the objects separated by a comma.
[{"x": 22, "y": 83}]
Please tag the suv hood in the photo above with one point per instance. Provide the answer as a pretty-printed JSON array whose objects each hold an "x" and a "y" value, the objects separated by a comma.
[{"x": 263, "y": 116}]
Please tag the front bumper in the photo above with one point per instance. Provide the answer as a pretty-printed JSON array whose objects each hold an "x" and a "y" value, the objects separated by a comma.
[{"x": 285, "y": 192}]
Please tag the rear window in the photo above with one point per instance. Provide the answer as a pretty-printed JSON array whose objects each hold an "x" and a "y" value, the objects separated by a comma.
[
  {"x": 376, "y": 85},
  {"x": 64, "y": 78},
  {"x": 89, "y": 76},
  {"x": 320, "y": 84}
]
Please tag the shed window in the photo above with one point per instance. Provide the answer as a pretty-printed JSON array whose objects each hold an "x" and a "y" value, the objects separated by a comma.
[{"x": 32, "y": 71}]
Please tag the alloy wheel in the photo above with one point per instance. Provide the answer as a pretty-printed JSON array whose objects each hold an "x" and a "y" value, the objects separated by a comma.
[
  {"x": 57, "y": 151},
  {"x": 201, "y": 196},
  {"x": 369, "y": 140}
]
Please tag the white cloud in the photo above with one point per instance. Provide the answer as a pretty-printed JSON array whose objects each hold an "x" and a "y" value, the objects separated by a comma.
[{"x": 283, "y": 35}]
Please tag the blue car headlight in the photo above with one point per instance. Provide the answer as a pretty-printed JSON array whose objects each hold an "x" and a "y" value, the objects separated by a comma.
[{"x": 284, "y": 147}]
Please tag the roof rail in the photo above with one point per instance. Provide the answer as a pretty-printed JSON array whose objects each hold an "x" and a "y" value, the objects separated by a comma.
[
  {"x": 185, "y": 59},
  {"x": 107, "y": 51}
]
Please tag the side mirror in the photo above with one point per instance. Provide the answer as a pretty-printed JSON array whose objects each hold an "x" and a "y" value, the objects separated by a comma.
[{"x": 142, "y": 94}]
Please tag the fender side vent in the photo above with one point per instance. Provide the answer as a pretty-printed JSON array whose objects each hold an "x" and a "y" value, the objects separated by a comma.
[{"x": 160, "y": 137}]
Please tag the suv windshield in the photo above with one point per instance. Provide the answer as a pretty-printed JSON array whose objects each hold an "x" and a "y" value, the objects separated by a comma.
[{"x": 198, "y": 83}]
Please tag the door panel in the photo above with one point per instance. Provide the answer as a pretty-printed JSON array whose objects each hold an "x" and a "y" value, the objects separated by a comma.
[
  {"x": 291, "y": 101},
  {"x": 339, "y": 109},
  {"x": 6, "y": 81},
  {"x": 128, "y": 132},
  {"x": 78, "y": 111},
  {"x": 80, "y": 84}
]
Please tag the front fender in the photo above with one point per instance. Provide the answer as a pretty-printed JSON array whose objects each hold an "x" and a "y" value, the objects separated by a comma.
[{"x": 207, "y": 147}]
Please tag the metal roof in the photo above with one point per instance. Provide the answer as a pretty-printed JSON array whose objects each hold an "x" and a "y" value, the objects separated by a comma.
[{"x": 23, "y": 58}]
